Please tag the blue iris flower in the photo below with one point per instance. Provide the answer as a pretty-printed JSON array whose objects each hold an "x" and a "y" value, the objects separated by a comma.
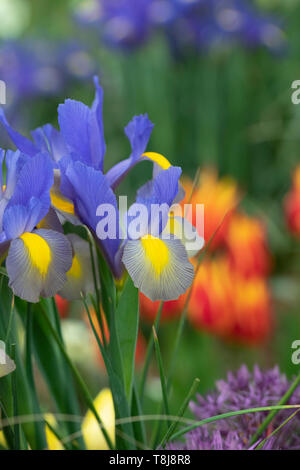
[
  {"x": 37, "y": 258},
  {"x": 80, "y": 188},
  {"x": 79, "y": 146}
]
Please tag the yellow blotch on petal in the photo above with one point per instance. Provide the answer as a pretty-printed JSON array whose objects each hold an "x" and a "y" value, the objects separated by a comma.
[
  {"x": 61, "y": 203},
  {"x": 156, "y": 251},
  {"x": 38, "y": 250},
  {"x": 75, "y": 271},
  {"x": 93, "y": 436},
  {"x": 158, "y": 158}
]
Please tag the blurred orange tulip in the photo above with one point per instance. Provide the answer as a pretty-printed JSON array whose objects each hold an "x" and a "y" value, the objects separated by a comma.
[
  {"x": 247, "y": 246},
  {"x": 63, "y": 306},
  {"x": 219, "y": 196}
]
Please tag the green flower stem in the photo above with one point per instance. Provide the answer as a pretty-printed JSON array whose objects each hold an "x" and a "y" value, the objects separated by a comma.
[
  {"x": 40, "y": 436},
  {"x": 80, "y": 382},
  {"x": 56, "y": 318},
  {"x": 96, "y": 304}
]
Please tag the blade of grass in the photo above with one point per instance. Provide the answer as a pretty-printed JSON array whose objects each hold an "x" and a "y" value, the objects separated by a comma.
[
  {"x": 85, "y": 392},
  {"x": 260, "y": 445},
  {"x": 58, "y": 435},
  {"x": 10, "y": 319},
  {"x": 8, "y": 430},
  {"x": 39, "y": 428},
  {"x": 230, "y": 414},
  {"x": 17, "y": 439},
  {"x": 161, "y": 373},
  {"x": 127, "y": 325},
  {"x": 56, "y": 318},
  {"x": 56, "y": 371},
  {"x": 181, "y": 411},
  {"x": 136, "y": 410},
  {"x": 148, "y": 354},
  {"x": 114, "y": 366}
]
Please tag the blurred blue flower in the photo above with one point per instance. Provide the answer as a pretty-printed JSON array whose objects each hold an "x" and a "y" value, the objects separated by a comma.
[
  {"x": 198, "y": 24},
  {"x": 32, "y": 68},
  {"x": 241, "y": 391}
]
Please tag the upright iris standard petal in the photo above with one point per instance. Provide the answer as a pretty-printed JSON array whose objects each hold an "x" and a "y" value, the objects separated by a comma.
[
  {"x": 45, "y": 139},
  {"x": 37, "y": 263},
  {"x": 14, "y": 162},
  {"x": 35, "y": 180},
  {"x": 157, "y": 196},
  {"x": 82, "y": 129},
  {"x": 79, "y": 276},
  {"x": 138, "y": 132},
  {"x": 159, "y": 268},
  {"x": 21, "y": 142},
  {"x": 162, "y": 189},
  {"x": 49, "y": 139},
  {"x": 89, "y": 191}
]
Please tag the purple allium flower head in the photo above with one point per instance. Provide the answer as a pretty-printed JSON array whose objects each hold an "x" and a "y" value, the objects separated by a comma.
[{"x": 241, "y": 391}]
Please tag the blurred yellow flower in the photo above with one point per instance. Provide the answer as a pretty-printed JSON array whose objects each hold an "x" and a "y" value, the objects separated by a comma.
[
  {"x": 2, "y": 439},
  {"x": 52, "y": 441},
  {"x": 92, "y": 434}
]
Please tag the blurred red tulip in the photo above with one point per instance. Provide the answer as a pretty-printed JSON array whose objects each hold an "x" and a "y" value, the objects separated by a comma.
[
  {"x": 225, "y": 303},
  {"x": 63, "y": 306},
  {"x": 171, "y": 309},
  {"x": 292, "y": 204}
]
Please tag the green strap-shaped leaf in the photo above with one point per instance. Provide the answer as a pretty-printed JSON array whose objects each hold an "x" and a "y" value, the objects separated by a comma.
[{"x": 127, "y": 322}]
